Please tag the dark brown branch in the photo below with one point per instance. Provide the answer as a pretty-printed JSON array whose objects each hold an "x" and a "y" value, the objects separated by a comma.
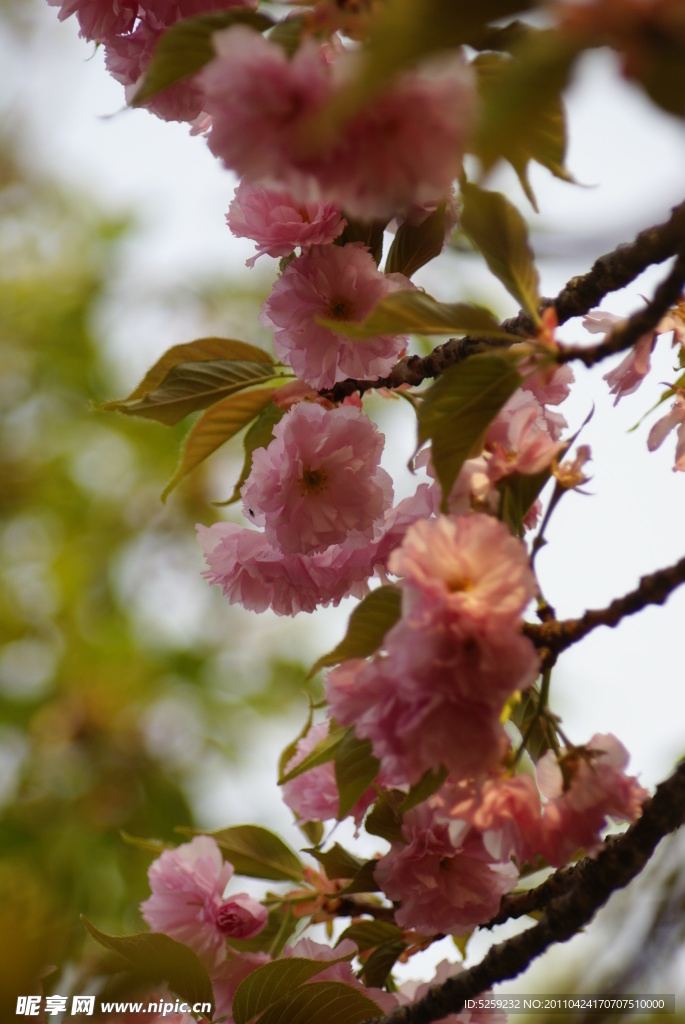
[
  {"x": 626, "y": 334},
  {"x": 515, "y": 905},
  {"x": 351, "y": 906},
  {"x": 610, "y": 272},
  {"x": 554, "y": 636},
  {"x": 615, "y": 866}
]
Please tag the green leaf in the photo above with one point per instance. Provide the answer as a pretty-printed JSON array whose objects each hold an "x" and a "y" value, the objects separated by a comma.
[
  {"x": 260, "y": 435},
  {"x": 338, "y": 862},
  {"x": 355, "y": 770},
  {"x": 288, "y": 34},
  {"x": 460, "y": 406},
  {"x": 256, "y": 852},
  {"x": 187, "y": 46},
  {"x": 217, "y": 425},
  {"x": 415, "y": 245},
  {"x": 271, "y": 982},
  {"x": 519, "y": 492},
  {"x": 373, "y": 617},
  {"x": 498, "y": 230},
  {"x": 525, "y": 715},
  {"x": 368, "y": 232},
  {"x": 429, "y": 783},
  {"x": 415, "y": 312},
  {"x": 153, "y": 846},
  {"x": 160, "y": 958},
  {"x": 323, "y": 752},
  {"x": 369, "y": 934},
  {"x": 191, "y": 377},
  {"x": 381, "y": 962},
  {"x": 363, "y": 881},
  {"x": 385, "y": 819},
  {"x": 522, "y": 115},
  {"x": 323, "y": 1002}
]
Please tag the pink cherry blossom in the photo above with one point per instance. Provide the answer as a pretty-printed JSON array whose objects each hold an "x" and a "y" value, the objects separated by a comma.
[
  {"x": 627, "y": 377},
  {"x": 253, "y": 573},
  {"x": 663, "y": 427},
  {"x": 334, "y": 283},
  {"x": 583, "y": 792},
  {"x": 435, "y": 697},
  {"x": 404, "y": 147},
  {"x": 550, "y": 386},
  {"x": 187, "y": 891},
  {"x": 508, "y": 812},
  {"x": 442, "y": 874},
  {"x": 313, "y": 795},
  {"x": 259, "y": 98},
  {"x": 279, "y": 224},
  {"x": 319, "y": 481},
  {"x": 519, "y": 439},
  {"x": 99, "y": 19},
  {"x": 469, "y": 565}
]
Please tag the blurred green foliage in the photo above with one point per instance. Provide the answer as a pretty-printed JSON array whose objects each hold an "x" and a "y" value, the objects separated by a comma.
[{"x": 117, "y": 686}]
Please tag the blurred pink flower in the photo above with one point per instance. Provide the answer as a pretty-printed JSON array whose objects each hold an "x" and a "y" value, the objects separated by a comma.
[
  {"x": 319, "y": 481},
  {"x": 278, "y": 223},
  {"x": 508, "y": 812},
  {"x": 582, "y": 793},
  {"x": 227, "y": 976},
  {"x": 519, "y": 439},
  {"x": 100, "y": 20},
  {"x": 259, "y": 98},
  {"x": 334, "y": 283},
  {"x": 187, "y": 899},
  {"x": 663, "y": 427}
]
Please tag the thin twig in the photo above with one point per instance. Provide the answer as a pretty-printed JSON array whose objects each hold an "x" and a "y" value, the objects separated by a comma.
[{"x": 554, "y": 636}]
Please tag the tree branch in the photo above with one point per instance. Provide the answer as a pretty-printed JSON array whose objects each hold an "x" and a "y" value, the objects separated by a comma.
[
  {"x": 610, "y": 272},
  {"x": 553, "y": 637},
  {"x": 628, "y": 333},
  {"x": 615, "y": 866}
]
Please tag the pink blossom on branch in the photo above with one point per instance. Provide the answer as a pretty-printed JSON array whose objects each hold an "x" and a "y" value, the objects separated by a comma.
[
  {"x": 442, "y": 874},
  {"x": 583, "y": 792},
  {"x": 470, "y": 566},
  {"x": 187, "y": 899},
  {"x": 331, "y": 283},
  {"x": 253, "y": 573},
  {"x": 278, "y": 223},
  {"x": 319, "y": 481}
]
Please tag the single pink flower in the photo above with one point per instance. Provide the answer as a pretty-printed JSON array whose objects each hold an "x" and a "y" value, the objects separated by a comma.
[
  {"x": 663, "y": 427},
  {"x": 259, "y": 98},
  {"x": 278, "y": 223},
  {"x": 583, "y": 792},
  {"x": 253, "y": 573},
  {"x": 404, "y": 147},
  {"x": 626, "y": 378},
  {"x": 471, "y": 566},
  {"x": 508, "y": 812},
  {"x": 331, "y": 283},
  {"x": 550, "y": 386},
  {"x": 319, "y": 481},
  {"x": 519, "y": 439},
  {"x": 187, "y": 891},
  {"x": 442, "y": 874}
]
